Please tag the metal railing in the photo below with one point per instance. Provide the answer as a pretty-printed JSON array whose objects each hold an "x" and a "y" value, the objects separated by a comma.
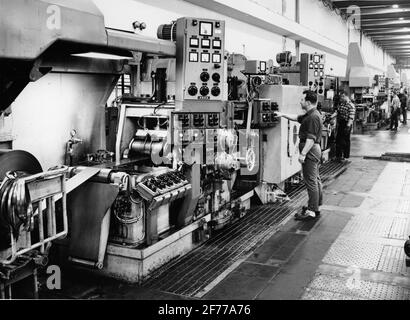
[{"x": 44, "y": 190}]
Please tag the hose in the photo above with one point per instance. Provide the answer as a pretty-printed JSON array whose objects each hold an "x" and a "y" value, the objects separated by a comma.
[{"x": 15, "y": 204}]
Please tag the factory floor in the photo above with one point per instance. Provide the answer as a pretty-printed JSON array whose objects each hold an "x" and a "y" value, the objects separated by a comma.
[{"x": 353, "y": 251}]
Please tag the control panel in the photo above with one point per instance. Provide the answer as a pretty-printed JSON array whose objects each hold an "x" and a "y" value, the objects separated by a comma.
[
  {"x": 264, "y": 113},
  {"x": 200, "y": 61},
  {"x": 380, "y": 81},
  {"x": 313, "y": 72},
  {"x": 199, "y": 129},
  {"x": 196, "y": 120}
]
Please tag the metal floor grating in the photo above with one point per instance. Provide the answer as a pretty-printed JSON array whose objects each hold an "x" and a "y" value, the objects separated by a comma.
[
  {"x": 370, "y": 225},
  {"x": 352, "y": 252},
  {"x": 406, "y": 185},
  {"x": 366, "y": 255},
  {"x": 379, "y": 226},
  {"x": 324, "y": 287},
  {"x": 393, "y": 260},
  {"x": 190, "y": 274},
  {"x": 403, "y": 207}
]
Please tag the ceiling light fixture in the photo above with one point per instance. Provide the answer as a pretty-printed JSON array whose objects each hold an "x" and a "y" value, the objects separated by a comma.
[{"x": 98, "y": 55}]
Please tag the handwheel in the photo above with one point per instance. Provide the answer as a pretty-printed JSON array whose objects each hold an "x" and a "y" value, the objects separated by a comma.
[{"x": 250, "y": 159}]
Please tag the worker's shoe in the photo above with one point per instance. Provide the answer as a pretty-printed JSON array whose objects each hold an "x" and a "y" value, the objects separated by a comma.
[
  {"x": 304, "y": 208},
  {"x": 305, "y": 216}
]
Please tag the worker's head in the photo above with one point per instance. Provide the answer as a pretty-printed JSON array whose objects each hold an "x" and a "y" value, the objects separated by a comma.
[
  {"x": 344, "y": 96},
  {"x": 309, "y": 100}
]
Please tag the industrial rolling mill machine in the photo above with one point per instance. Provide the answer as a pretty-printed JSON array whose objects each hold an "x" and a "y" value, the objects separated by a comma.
[{"x": 185, "y": 155}]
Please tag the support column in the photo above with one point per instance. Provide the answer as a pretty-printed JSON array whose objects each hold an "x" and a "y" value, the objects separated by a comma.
[{"x": 297, "y": 11}]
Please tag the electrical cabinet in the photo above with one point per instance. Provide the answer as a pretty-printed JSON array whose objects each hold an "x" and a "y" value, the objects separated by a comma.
[{"x": 279, "y": 152}]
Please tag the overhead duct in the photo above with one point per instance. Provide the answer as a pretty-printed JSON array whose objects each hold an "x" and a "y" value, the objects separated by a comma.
[{"x": 357, "y": 72}]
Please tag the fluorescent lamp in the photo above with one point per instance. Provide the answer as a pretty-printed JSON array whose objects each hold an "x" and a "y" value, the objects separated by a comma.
[{"x": 98, "y": 55}]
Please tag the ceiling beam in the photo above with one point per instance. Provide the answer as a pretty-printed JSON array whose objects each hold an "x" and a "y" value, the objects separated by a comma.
[
  {"x": 384, "y": 47},
  {"x": 392, "y": 37},
  {"x": 385, "y": 24},
  {"x": 389, "y": 16},
  {"x": 397, "y": 47},
  {"x": 387, "y": 42},
  {"x": 388, "y": 32},
  {"x": 372, "y": 3},
  {"x": 378, "y": 11}
]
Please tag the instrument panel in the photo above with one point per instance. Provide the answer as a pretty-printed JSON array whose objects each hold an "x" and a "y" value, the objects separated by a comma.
[
  {"x": 196, "y": 120},
  {"x": 313, "y": 67},
  {"x": 202, "y": 60},
  {"x": 264, "y": 113}
]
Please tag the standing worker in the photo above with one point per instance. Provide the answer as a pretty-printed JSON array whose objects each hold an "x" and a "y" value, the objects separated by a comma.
[
  {"x": 310, "y": 135},
  {"x": 395, "y": 109},
  {"x": 403, "y": 102},
  {"x": 345, "y": 114}
]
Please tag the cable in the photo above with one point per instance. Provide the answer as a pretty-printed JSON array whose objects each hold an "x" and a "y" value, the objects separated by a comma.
[
  {"x": 16, "y": 208},
  {"x": 158, "y": 106}
]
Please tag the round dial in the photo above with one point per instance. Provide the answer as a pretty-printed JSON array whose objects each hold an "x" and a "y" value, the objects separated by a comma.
[{"x": 257, "y": 81}]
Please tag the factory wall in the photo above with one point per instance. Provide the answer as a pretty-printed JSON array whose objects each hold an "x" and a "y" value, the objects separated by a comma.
[
  {"x": 47, "y": 110},
  {"x": 241, "y": 37}
]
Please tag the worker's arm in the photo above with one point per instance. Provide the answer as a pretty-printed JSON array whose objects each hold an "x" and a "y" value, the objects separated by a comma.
[
  {"x": 352, "y": 115},
  {"x": 309, "y": 144},
  {"x": 291, "y": 117}
]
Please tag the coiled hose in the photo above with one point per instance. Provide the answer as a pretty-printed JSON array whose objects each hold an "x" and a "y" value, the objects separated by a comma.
[{"x": 16, "y": 208}]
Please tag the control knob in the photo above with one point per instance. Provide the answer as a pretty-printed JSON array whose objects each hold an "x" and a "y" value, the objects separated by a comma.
[
  {"x": 215, "y": 91},
  {"x": 192, "y": 90},
  {"x": 204, "y": 76},
  {"x": 204, "y": 91}
]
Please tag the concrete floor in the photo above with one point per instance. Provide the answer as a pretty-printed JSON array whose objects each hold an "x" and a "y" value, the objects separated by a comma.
[
  {"x": 354, "y": 251},
  {"x": 377, "y": 142}
]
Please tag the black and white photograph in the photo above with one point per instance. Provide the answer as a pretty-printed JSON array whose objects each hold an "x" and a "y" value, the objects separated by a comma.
[{"x": 203, "y": 158}]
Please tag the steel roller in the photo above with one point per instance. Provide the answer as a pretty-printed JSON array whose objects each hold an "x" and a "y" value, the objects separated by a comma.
[{"x": 18, "y": 160}]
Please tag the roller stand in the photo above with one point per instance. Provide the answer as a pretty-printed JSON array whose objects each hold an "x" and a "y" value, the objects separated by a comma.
[{"x": 21, "y": 269}]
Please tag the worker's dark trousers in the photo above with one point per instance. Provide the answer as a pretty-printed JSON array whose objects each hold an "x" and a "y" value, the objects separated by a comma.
[
  {"x": 394, "y": 120},
  {"x": 404, "y": 113},
  {"x": 310, "y": 170},
  {"x": 342, "y": 140}
]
